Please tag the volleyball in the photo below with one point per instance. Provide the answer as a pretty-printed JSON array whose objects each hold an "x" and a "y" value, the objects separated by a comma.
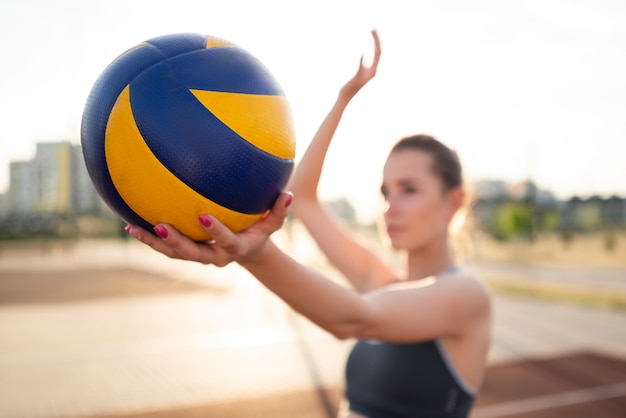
[{"x": 188, "y": 124}]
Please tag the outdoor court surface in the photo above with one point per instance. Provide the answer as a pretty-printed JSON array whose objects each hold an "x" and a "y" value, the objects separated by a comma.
[
  {"x": 579, "y": 385},
  {"x": 584, "y": 381}
]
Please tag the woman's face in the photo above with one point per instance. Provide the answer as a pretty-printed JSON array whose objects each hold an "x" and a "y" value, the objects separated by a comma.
[{"x": 417, "y": 209}]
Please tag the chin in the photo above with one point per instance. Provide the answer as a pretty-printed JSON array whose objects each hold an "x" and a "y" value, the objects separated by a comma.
[
  {"x": 397, "y": 244},
  {"x": 408, "y": 245}
]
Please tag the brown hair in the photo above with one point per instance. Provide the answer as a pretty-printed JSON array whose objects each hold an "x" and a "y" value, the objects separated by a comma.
[{"x": 446, "y": 163}]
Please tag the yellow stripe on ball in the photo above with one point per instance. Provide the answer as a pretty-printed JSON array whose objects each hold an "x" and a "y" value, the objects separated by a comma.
[
  {"x": 215, "y": 42},
  {"x": 153, "y": 192},
  {"x": 262, "y": 120}
]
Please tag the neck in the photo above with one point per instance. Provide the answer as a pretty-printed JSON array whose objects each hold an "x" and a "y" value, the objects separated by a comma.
[{"x": 429, "y": 261}]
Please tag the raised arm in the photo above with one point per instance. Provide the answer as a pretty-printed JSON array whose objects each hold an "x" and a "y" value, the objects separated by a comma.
[{"x": 357, "y": 263}]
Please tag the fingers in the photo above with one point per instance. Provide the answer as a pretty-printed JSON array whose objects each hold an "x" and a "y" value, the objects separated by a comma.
[
  {"x": 146, "y": 237},
  {"x": 226, "y": 246},
  {"x": 376, "y": 39},
  {"x": 168, "y": 241},
  {"x": 376, "y": 57},
  {"x": 369, "y": 71},
  {"x": 376, "y": 49},
  {"x": 176, "y": 244},
  {"x": 275, "y": 219},
  {"x": 281, "y": 206},
  {"x": 224, "y": 238}
]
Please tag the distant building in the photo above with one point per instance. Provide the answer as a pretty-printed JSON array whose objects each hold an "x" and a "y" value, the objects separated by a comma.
[
  {"x": 4, "y": 205},
  {"x": 53, "y": 170},
  {"x": 342, "y": 209},
  {"x": 85, "y": 198},
  {"x": 490, "y": 190},
  {"x": 528, "y": 191},
  {"x": 55, "y": 181}
]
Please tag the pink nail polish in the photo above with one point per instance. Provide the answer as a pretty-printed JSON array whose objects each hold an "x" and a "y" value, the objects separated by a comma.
[
  {"x": 205, "y": 221},
  {"x": 133, "y": 233},
  {"x": 160, "y": 231}
]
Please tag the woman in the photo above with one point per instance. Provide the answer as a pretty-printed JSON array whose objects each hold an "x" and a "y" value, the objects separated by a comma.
[{"x": 423, "y": 339}]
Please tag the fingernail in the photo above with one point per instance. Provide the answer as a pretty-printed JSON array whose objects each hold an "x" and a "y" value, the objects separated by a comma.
[
  {"x": 289, "y": 200},
  {"x": 161, "y": 231},
  {"x": 132, "y": 232},
  {"x": 127, "y": 228},
  {"x": 205, "y": 221}
]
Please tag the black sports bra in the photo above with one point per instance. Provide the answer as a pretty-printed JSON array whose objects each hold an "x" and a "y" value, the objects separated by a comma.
[{"x": 413, "y": 380}]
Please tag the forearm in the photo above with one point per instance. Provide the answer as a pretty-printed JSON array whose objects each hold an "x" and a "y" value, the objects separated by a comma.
[
  {"x": 339, "y": 310},
  {"x": 305, "y": 179},
  {"x": 353, "y": 260}
]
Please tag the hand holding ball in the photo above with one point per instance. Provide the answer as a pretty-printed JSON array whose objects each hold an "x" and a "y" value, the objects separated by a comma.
[{"x": 183, "y": 125}]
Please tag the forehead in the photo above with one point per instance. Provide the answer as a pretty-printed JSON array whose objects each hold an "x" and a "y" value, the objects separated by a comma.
[{"x": 407, "y": 164}]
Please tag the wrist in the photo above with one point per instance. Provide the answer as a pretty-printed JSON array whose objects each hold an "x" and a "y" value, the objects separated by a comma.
[
  {"x": 257, "y": 256},
  {"x": 345, "y": 95}
]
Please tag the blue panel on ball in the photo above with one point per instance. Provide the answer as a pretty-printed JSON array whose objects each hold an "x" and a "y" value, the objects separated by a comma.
[
  {"x": 96, "y": 113},
  {"x": 177, "y": 44},
  {"x": 203, "y": 152},
  {"x": 225, "y": 69}
]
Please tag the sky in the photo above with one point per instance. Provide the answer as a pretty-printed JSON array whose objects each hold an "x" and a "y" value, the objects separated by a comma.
[{"x": 521, "y": 89}]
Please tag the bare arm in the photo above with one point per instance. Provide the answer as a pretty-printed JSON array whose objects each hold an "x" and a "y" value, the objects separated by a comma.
[
  {"x": 444, "y": 308},
  {"x": 357, "y": 263},
  {"x": 437, "y": 309}
]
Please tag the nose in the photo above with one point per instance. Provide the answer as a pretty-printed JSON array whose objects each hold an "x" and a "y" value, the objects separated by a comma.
[{"x": 390, "y": 206}]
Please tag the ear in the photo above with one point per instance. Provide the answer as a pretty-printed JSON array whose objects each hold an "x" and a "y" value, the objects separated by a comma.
[{"x": 456, "y": 199}]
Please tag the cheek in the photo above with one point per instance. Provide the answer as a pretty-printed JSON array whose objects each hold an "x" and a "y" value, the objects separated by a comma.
[{"x": 429, "y": 217}]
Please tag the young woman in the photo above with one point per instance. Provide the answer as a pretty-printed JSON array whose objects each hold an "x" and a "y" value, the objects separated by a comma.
[{"x": 422, "y": 340}]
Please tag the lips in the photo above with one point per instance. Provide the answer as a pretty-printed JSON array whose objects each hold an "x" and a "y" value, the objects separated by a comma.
[{"x": 393, "y": 229}]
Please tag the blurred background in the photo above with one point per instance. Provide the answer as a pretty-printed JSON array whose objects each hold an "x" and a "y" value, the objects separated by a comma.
[{"x": 530, "y": 93}]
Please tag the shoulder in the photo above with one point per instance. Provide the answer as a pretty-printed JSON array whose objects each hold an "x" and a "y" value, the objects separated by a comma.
[
  {"x": 465, "y": 289},
  {"x": 450, "y": 304},
  {"x": 459, "y": 290},
  {"x": 464, "y": 279}
]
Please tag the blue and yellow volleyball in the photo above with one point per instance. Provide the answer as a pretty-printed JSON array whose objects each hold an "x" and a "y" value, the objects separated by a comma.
[{"x": 188, "y": 124}]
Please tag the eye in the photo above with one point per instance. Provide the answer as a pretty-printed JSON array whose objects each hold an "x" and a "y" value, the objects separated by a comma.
[
  {"x": 383, "y": 191},
  {"x": 409, "y": 190}
]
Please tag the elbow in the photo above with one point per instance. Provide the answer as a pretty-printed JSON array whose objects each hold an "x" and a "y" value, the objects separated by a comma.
[
  {"x": 345, "y": 332},
  {"x": 357, "y": 324},
  {"x": 341, "y": 335}
]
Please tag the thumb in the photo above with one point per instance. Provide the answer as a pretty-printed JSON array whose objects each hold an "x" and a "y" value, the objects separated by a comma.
[{"x": 275, "y": 219}]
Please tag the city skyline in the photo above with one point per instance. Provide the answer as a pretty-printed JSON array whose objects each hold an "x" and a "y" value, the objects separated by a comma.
[
  {"x": 53, "y": 195},
  {"x": 55, "y": 180},
  {"x": 523, "y": 89}
]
